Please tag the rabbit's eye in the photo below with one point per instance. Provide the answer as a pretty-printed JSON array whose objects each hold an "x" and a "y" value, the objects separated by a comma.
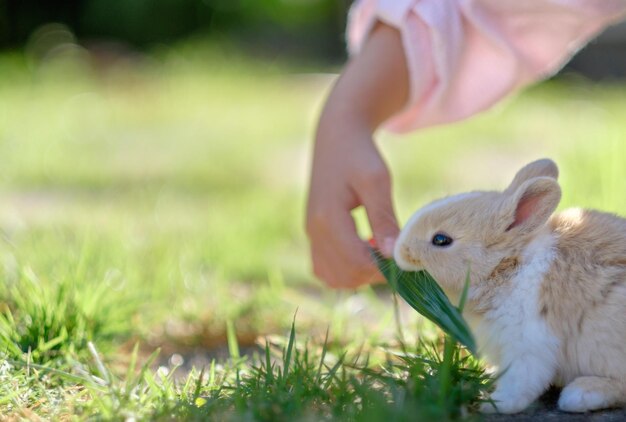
[{"x": 441, "y": 240}]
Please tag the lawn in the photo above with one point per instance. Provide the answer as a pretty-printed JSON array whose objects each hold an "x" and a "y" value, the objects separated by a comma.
[{"x": 156, "y": 202}]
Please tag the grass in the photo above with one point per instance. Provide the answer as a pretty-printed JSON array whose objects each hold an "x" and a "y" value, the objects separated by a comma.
[
  {"x": 298, "y": 382},
  {"x": 159, "y": 200}
]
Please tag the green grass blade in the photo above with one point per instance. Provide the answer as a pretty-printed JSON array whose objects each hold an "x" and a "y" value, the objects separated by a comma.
[
  {"x": 269, "y": 373},
  {"x": 130, "y": 372},
  {"x": 422, "y": 292},
  {"x": 318, "y": 375},
  {"x": 292, "y": 340},
  {"x": 212, "y": 374},
  {"x": 104, "y": 373},
  {"x": 463, "y": 299},
  {"x": 332, "y": 371},
  {"x": 233, "y": 344},
  {"x": 198, "y": 389}
]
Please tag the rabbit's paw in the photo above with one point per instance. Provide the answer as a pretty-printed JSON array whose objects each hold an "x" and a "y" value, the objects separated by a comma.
[
  {"x": 504, "y": 404},
  {"x": 589, "y": 393}
]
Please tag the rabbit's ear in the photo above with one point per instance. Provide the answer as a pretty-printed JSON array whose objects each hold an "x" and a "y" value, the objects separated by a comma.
[
  {"x": 530, "y": 206},
  {"x": 540, "y": 168}
]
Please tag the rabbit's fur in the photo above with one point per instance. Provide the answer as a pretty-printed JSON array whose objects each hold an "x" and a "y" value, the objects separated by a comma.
[{"x": 547, "y": 297}]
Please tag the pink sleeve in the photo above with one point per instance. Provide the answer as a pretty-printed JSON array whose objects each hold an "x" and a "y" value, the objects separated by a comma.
[{"x": 465, "y": 55}]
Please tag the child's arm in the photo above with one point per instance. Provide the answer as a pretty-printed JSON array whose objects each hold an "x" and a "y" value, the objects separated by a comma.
[
  {"x": 348, "y": 171},
  {"x": 464, "y": 56}
]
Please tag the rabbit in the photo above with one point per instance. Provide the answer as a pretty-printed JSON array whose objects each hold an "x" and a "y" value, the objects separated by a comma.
[{"x": 547, "y": 293}]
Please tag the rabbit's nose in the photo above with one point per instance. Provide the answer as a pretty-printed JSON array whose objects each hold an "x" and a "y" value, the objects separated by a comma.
[
  {"x": 416, "y": 263},
  {"x": 407, "y": 260}
]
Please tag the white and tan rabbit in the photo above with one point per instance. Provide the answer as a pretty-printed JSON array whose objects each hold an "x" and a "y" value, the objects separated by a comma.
[{"x": 547, "y": 297}]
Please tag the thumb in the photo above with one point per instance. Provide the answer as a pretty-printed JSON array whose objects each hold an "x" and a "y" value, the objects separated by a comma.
[{"x": 376, "y": 198}]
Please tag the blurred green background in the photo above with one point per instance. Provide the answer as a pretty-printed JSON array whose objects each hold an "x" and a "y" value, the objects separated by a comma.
[
  {"x": 154, "y": 158},
  {"x": 301, "y": 28},
  {"x": 308, "y": 30}
]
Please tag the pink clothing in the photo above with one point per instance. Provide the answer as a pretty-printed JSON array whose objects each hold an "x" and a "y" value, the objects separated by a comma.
[{"x": 465, "y": 55}]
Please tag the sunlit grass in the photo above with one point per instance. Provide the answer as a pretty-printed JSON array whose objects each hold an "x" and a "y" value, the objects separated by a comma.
[{"x": 291, "y": 381}]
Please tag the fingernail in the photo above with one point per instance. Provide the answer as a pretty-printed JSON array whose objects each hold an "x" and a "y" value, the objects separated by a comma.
[{"x": 387, "y": 246}]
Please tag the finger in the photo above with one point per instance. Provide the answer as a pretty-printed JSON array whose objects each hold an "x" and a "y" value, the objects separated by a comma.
[
  {"x": 352, "y": 279},
  {"x": 338, "y": 272},
  {"x": 351, "y": 260},
  {"x": 375, "y": 195},
  {"x": 340, "y": 258}
]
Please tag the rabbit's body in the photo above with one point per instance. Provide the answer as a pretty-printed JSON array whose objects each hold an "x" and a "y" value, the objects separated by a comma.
[
  {"x": 583, "y": 299},
  {"x": 547, "y": 299}
]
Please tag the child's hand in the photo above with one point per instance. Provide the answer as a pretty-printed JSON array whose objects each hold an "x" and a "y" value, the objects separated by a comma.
[{"x": 348, "y": 170}]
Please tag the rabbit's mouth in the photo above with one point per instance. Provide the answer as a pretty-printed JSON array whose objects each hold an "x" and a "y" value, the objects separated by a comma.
[{"x": 407, "y": 261}]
